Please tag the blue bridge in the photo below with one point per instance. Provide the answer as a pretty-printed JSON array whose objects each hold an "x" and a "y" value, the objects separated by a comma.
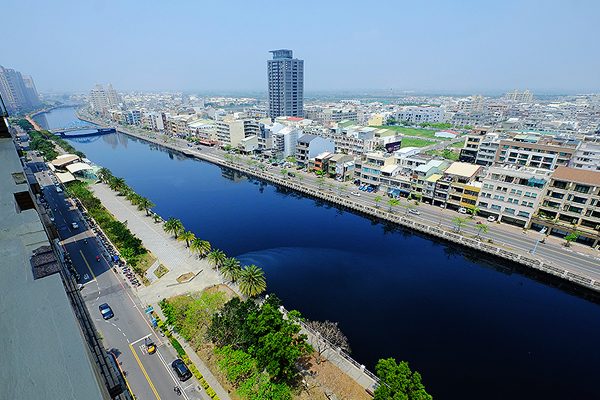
[{"x": 95, "y": 131}]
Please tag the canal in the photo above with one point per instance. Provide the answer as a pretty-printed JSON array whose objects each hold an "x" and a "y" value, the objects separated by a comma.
[{"x": 474, "y": 328}]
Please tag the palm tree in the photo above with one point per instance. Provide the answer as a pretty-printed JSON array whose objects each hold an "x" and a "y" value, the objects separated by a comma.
[
  {"x": 252, "y": 281},
  {"x": 145, "y": 204},
  {"x": 393, "y": 203},
  {"x": 217, "y": 258},
  {"x": 173, "y": 226},
  {"x": 459, "y": 223},
  {"x": 199, "y": 246},
  {"x": 116, "y": 183},
  {"x": 378, "y": 200},
  {"x": 104, "y": 174},
  {"x": 474, "y": 211},
  {"x": 187, "y": 237},
  {"x": 481, "y": 228},
  {"x": 133, "y": 198},
  {"x": 231, "y": 269}
]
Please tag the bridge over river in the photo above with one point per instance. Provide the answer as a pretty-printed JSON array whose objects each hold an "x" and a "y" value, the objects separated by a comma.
[{"x": 95, "y": 131}]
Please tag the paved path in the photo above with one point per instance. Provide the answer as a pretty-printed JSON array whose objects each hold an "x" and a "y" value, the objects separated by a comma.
[{"x": 171, "y": 253}]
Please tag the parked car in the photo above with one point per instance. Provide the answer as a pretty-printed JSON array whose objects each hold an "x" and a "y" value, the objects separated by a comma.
[
  {"x": 106, "y": 311},
  {"x": 181, "y": 370},
  {"x": 462, "y": 210},
  {"x": 58, "y": 190},
  {"x": 491, "y": 218},
  {"x": 74, "y": 225},
  {"x": 414, "y": 212},
  {"x": 355, "y": 194},
  {"x": 369, "y": 189}
]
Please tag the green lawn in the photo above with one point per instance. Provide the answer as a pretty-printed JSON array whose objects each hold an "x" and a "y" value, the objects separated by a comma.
[
  {"x": 447, "y": 154},
  {"x": 415, "y": 142},
  {"x": 458, "y": 145},
  {"x": 411, "y": 131}
]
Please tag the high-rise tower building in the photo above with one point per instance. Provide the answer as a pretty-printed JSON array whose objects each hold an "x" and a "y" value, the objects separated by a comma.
[
  {"x": 286, "y": 84},
  {"x": 103, "y": 99},
  {"x": 18, "y": 91}
]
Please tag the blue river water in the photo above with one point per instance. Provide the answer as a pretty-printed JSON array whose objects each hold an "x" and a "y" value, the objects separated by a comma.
[{"x": 474, "y": 328}]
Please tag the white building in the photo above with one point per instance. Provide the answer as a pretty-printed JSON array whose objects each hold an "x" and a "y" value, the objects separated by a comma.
[
  {"x": 102, "y": 99},
  {"x": 285, "y": 141},
  {"x": 232, "y": 131},
  {"x": 420, "y": 114},
  {"x": 587, "y": 156},
  {"x": 512, "y": 194}
]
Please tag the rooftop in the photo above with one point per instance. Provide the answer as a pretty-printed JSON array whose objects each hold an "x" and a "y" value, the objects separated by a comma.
[
  {"x": 577, "y": 175},
  {"x": 462, "y": 169},
  {"x": 41, "y": 340}
]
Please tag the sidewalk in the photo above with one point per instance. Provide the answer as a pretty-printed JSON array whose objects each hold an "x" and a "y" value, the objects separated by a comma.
[{"x": 171, "y": 253}]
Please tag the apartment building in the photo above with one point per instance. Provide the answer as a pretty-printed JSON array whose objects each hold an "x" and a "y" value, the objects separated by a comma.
[
  {"x": 420, "y": 114},
  {"x": 571, "y": 204},
  {"x": 458, "y": 187},
  {"x": 373, "y": 166},
  {"x": 533, "y": 151},
  {"x": 286, "y": 84},
  {"x": 471, "y": 145},
  {"x": 511, "y": 193},
  {"x": 231, "y": 131},
  {"x": 320, "y": 163},
  {"x": 587, "y": 156},
  {"x": 285, "y": 141},
  {"x": 309, "y": 146},
  {"x": 18, "y": 91},
  {"x": 102, "y": 99}
]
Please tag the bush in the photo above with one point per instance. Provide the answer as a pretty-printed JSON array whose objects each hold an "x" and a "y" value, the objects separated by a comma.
[
  {"x": 177, "y": 346},
  {"x": 211, "y": 392}
]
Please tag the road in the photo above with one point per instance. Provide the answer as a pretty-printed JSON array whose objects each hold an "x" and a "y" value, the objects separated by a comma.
[{"x": 148, "y": 376}]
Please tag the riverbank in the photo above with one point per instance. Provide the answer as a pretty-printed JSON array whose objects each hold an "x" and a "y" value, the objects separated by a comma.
[{"x": 561, "y": 271}]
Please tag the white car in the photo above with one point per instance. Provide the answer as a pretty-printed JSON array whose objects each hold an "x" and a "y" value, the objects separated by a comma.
[
  {"x": 58, "y": 190},
  {"x": 491, "y": 218},
  {"x": 462, "y": 210},
  {"x": 355, "y": 194},
  {"x": 414, "y": 212},
  {"x": 74, "y": 225}
]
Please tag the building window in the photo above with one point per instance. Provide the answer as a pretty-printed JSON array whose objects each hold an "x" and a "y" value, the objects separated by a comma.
[{"x": 510, "y": 211}]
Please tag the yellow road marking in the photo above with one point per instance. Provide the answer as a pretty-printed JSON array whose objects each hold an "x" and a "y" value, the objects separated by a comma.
[
  {"x": 86, "y": 263},
  {"x": 123, "y": 375},
  {"x": 144, "y": 372}
]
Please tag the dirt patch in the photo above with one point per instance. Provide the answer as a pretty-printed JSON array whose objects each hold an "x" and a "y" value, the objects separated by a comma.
[
  {"x": 185, "y": 277},
  {"x": 229, "y": 293},
  {"x": 146, "y": 262}
]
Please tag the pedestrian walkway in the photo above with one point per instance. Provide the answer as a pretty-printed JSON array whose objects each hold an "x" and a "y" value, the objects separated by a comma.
[{"x": 171, "y": 253}]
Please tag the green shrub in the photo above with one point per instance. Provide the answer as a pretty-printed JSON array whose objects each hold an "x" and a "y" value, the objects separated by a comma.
[
  {"x": 211, "y": 392},
  {"x": 177, "y": 346}
]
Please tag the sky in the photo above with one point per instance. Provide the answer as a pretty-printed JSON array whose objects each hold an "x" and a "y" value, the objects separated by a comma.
[{"x": 434, "y": 46}]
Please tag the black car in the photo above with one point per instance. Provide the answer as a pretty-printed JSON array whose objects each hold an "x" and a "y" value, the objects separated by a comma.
[
  {"x": 181, "y": 370},
  {"x": 106, "y": 311}
]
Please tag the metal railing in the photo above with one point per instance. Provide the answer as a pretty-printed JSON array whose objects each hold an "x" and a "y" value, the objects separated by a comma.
[{"x": 3, "y": 111}]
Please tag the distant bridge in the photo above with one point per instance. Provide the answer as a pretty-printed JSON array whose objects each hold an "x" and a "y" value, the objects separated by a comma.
[{"x": 62, "y": 132}]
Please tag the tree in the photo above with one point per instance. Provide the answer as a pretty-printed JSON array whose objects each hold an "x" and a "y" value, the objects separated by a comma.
[
  {"x": 173, "y": 226},
  {"x": 398, "y": 382},
  {"x": 200, "y": 247},
  {"x": 145, "y": 204},
  {"x": 229, "y": 325},
  {"x": 378, "y": 200},
  {"x": 231, "y": 269},
  {"x": 393, "y": 203},
  {"x": 216, "y": 258},
  {"x": 473, "y": 211},
  {"x": 133, "y": 198},
  {"x": 331, "y": 333},
  {"x": 284, "y": 172},
  {"x": 116, "y": 184},
  {"x": 481, "y": 228},
  {"x": 252, "y": 281},
  {"x": 408, "y": 207},
  {"x": 187, "y": 237},
  {"x": 459, "y": 223},
  {"x": 571, "y": 237},
  {"x": 105, "y": 174}
]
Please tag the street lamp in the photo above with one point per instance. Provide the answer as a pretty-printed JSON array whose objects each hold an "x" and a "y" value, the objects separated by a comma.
[{"x": 542, "y": 231}]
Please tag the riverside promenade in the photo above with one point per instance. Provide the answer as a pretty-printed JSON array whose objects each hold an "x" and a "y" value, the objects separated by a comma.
[{"x": 582, "y": 269}]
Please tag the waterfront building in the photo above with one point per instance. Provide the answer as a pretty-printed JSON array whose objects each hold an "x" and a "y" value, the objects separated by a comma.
[
  {"x": 18, "y": 91},
  {"x": 458, "y": 186},
  {"x": 309, "y": 146},
  {"x": 533, "y": 150},
  {"x": 511, "y": 193},
  {"x": 202, "y": 129},
  {"x": 373, "y": 166},
  {"x": 102, "y": 99},
  {"x": 571, "y": 203},
  {"x": 519, "y": 97},
  {"x": 232, "y": 131},
  {"x": 420, "y": 114},
  {"x": 341, "y": 167},
  {"x": 320, "y": 163},
  {"x": 285, "y": 141},
  {"x": 286, "y": 84},
  {"x": 587, "y": 156}
]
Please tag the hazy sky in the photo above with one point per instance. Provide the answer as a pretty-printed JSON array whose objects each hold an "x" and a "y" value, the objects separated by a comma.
[{"x": 457, "y": 46}]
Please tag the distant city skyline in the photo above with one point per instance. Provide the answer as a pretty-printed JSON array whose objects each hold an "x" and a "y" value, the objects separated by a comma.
[{"x": 442, "y": 47}]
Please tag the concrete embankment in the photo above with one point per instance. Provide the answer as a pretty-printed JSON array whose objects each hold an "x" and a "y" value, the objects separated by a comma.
[{"x": 520, "y": 258}]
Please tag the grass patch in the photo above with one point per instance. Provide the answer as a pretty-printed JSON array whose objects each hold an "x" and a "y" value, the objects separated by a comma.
[
  {"x": 451, "y": 155},
  {"x": 185, "y": 277},
  {"x": 427, "y": 133},
  {"x": 414, "y": 142},
  {"x": 161, "y": 271},
  {"x": 458, "y": 145},
  {"x": 145, "y": 261}
]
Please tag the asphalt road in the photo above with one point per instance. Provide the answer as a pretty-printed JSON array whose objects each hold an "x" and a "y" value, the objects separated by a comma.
[{"x": 148, "y": 376}]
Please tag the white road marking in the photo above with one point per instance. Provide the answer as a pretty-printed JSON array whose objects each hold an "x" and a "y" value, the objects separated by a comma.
[
  {"x": 142, "y": 338},
  {"x": 172, "y": 374}
]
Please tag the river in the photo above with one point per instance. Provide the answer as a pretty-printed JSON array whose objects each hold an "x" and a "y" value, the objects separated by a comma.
[{"x": 474, "y": 328}]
